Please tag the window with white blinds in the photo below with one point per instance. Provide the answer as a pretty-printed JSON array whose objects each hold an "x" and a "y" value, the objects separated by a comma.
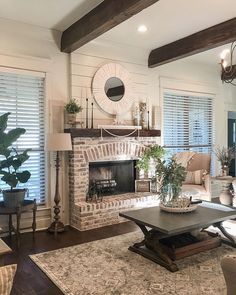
[
  {"x": 188, "y": 122},
  {"x": 22, "y": 94}
]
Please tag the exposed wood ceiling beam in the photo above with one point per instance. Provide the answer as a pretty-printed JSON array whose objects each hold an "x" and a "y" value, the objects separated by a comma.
[
  {"x": 212, "y": 37},
  {"x": 101, "y": 19}
]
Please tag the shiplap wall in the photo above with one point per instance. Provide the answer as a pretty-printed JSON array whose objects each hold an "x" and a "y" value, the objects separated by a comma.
[{"x": 83, "y": 68}]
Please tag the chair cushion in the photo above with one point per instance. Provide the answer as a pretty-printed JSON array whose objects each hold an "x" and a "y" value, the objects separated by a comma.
[
  {"x": 228, "y": 264},
  {"x": 194, "y": 177},
  {"x": 7, "y": 274},
  {"x": 200, "y": 161},
  {"x": 194, "y": 190},
  {"x": 184, "y": 158}
]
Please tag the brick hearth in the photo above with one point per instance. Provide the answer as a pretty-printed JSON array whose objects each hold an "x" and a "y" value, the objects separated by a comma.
[{"x": 84, "y": 215}]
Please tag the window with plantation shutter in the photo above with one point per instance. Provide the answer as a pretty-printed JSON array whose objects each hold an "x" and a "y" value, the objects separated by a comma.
[
  {"x": 22, "y": 94},
  {"x": 188, "y": 122}
]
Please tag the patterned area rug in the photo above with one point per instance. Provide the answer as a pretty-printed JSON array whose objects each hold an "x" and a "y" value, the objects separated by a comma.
[{"x": 108, "y": 267}]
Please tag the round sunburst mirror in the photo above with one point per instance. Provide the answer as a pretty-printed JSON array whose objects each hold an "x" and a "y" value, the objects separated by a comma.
[{"x": 112, "y": 89}]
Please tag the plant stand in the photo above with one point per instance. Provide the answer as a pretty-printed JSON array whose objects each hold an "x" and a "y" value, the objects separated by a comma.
[{"x": 27, "y": 206}]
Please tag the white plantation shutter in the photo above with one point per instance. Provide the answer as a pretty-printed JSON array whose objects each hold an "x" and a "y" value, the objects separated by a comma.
[
  {"x": 23, "y": 96},
  {"x": 188, "y": 122}
]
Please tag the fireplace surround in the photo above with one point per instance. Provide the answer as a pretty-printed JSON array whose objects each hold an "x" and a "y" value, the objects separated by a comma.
[
  {"x": 113, "y": 177},
  {"x": 87, "y": 151}
]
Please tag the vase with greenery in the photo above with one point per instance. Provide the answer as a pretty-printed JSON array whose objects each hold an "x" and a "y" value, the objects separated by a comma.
[
  {"x": 72, "y": 108},
  {"x": 224, "y": 156},
  {"x": 169, "y": 175},
  {"x": 153, "y": 153},
  {"x": 11, "y": 161}
]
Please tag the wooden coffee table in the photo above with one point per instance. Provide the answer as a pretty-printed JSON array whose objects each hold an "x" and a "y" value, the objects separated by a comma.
[{"x": 159, "y": 227}]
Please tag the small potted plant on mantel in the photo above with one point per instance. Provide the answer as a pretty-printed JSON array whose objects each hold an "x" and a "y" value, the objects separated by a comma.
[
  {"x": 11, "y": 161},
  {"x": 72, "y": 108}
]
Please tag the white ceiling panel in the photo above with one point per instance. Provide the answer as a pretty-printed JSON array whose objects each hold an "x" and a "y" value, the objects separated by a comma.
[
  {"x": 51, "y": 14},
  {"x": 169, "y": 20}
]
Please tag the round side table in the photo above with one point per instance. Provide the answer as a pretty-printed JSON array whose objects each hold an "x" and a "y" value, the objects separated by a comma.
[{"x": 28, "y": 205}]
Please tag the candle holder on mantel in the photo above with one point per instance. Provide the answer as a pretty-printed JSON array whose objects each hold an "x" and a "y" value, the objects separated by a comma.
[
  {"x": 86, "y": 113},
  {"x": 57, "y": 142},
  {"x": 92, "y": 115},
  {"x": 137, "y": 115},
  {"x": 144, "y": 116}
]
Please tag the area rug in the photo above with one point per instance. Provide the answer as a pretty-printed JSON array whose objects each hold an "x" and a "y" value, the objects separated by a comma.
[{"x": 108, "y": 267}]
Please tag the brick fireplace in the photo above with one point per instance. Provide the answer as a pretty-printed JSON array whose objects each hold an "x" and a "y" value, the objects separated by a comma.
[{"x": 86, "y": 150}]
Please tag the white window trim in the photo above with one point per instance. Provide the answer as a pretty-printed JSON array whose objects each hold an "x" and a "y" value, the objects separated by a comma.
[
  {"x": 39, "y": 66},
  {"x": 186, "y": 88}
]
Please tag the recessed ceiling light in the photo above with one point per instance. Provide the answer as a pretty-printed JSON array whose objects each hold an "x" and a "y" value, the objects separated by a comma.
[{"x": 142, "y": 29}]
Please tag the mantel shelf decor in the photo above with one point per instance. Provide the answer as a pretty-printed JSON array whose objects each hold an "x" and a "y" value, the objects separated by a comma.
[
  {"x": 119, "y": 127},
  {"x": 113, "y": 89},
  {"x": 77, "y": 132}
]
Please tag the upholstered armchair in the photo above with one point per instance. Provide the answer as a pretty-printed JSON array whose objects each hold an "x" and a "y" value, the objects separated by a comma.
[
  {"x": 228, "y": 265},
  {"x": 198, "y": 179}
]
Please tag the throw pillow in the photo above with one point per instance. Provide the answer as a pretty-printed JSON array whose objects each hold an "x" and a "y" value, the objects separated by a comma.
[
  {"x": 195, "y": 177},
  {"x": 7, "y": 274}
]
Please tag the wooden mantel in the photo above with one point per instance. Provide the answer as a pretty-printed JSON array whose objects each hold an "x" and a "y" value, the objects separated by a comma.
[{"x": 79, "y": 132}]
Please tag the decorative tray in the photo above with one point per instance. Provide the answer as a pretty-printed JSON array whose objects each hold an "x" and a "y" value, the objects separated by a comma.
[{"x": 170, "y": 209}]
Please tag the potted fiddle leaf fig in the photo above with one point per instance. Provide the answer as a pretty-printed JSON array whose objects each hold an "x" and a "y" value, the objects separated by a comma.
[{"x": 11, "y": 161}]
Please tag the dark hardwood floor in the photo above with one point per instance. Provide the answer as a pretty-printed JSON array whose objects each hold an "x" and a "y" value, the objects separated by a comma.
[{"x": 29, "y": 278}]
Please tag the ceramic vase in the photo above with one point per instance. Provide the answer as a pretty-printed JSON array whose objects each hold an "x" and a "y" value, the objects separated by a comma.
[
  {"x": 70, "y": 119},
  {"x": 225, "y": 198},
  {"x": 224, "y": 170}
]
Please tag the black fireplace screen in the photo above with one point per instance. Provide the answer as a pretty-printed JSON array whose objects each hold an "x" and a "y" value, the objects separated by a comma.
[{"x": 112, "y": 177}]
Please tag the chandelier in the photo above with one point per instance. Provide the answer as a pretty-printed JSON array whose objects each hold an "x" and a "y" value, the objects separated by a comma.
[{"x": 228, "y": 69}]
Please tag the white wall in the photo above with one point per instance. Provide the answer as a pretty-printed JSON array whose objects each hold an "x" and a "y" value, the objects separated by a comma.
[
  {"x": 83, "y": 67},
  {"x": 33, "y": 48},
  {"x": 203, "y": 78},
  {"x": 186, "y": 74}
]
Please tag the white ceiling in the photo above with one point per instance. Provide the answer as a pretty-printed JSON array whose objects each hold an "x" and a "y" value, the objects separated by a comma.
[
  {"x": 167, "y": 20},
  {"x": 51, "y": 14}
]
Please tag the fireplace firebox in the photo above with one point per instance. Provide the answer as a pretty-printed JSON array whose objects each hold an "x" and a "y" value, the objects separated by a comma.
[{"x": 113, "y": 177}]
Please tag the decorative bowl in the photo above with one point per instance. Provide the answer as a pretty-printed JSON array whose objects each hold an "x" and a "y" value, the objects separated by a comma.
[{"x": 173, "y": 209}]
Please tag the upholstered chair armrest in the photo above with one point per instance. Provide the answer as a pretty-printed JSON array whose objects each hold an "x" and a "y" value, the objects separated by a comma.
[
  {"x": 228, "y": 265},
  {"x": 207, "y": 183}
]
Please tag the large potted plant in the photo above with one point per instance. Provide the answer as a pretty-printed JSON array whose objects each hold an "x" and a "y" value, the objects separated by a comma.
[
  {"x": 72, "y": 108},
  {"x": 151, "y": 154},
  {"x": 169, "y": 175},
  {"x": 11, "y": 161}
]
